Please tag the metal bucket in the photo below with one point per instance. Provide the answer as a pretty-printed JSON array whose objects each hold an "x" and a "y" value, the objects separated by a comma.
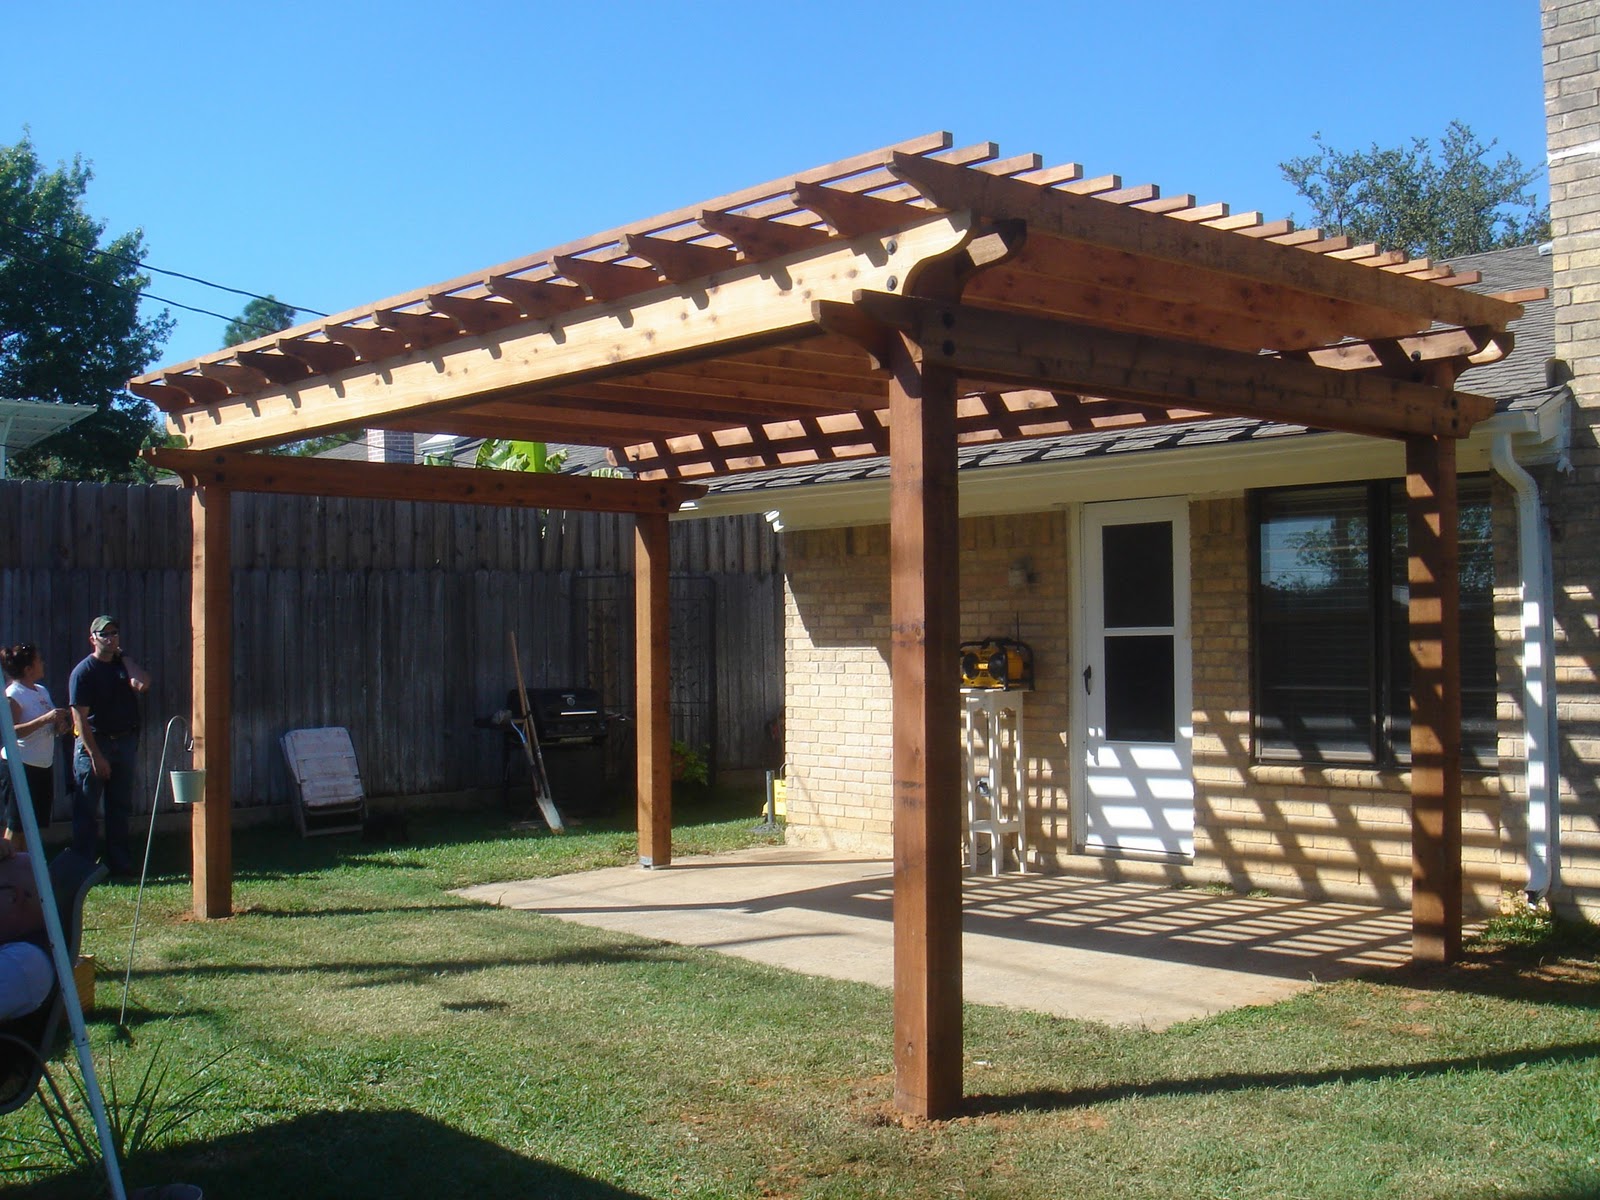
[{"x": 188, "y": 787}]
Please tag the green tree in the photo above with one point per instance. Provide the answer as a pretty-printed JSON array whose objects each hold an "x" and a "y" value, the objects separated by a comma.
[
  {"x": 263, "y": 315},
  {"x": 1405, "y": 198},
  {"x": 70, "y": 330}
]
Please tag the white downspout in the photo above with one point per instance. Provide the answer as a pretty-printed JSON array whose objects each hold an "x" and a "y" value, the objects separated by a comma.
[{"x": 1538, "y": 672}]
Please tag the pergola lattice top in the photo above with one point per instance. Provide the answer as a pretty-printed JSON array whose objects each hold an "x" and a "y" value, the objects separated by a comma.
[
  {"x": 777, "y": 326},
  {"x": 741, "y": 334}
]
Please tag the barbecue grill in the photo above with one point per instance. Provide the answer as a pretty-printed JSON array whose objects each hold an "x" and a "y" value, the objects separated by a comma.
[
  {"x": 564, "y": 716},
  {"x": 572, "y": 727}
]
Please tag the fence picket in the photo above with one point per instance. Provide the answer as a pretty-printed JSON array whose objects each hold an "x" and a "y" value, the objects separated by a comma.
[{"x": 390, "y": 619}]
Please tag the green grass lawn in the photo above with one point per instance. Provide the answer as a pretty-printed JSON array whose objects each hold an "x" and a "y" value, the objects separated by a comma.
[{"x": 386, "y": 1039}]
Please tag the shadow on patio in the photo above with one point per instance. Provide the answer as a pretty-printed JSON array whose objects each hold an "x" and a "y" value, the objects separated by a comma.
[{"x": 1123, "y": 953}]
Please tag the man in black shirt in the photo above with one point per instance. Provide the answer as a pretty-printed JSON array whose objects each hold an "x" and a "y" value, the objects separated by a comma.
[{"x": 103, "y": 692}]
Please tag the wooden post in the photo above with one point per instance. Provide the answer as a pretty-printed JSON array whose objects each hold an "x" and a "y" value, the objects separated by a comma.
[
  {"x": 211, "y": 612},
  {"x": 925, "y": 611},
  {"x": 1434, "y": 574},
  {"x": 653, "y": 711}
]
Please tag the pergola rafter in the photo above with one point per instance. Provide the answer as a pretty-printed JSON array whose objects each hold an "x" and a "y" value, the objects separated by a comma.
[
  {"x": 904, "y": 302},
  {"x": 294, "y": 475}
]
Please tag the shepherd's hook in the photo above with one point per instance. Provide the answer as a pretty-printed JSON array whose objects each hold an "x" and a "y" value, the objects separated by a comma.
[{"x": 138, "y": 900}]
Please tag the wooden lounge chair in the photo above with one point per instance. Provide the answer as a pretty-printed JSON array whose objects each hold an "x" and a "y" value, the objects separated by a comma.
[
  {"x": 27, "y": 1041},
  {"x": 328, "y": 797}
]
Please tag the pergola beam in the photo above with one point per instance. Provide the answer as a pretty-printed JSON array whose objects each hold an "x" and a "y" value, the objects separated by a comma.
[
  {"x": 756, "y": 305},
  {"x": 541, "y": 424},
  {"x": 1058, "y": 213},
  {"x": 1206, "y": 305},
  {"x": 984, "y": 348},
  {"x": 400, "y": 481},
  {"x": 567, "y": 416}
]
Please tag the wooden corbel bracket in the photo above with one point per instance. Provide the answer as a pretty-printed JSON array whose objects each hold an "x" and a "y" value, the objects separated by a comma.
[
  {"x": 946, "y": 277},
  {"x": 850, "y": 322}
]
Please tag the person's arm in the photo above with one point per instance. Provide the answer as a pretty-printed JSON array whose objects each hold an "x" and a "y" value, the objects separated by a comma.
[
  {"x": 138, "y": 677},
  {"x": 24, "y": 728},
  {"x": 97, "y": 760}
]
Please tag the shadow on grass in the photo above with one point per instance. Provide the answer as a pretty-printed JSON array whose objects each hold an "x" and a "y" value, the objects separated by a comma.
[
  {"x": 461, "y": 906},
  {"x": 372, "y": 974},
  {"x": 1566, "y": 975},
  {"x": 1057, "y": 1099},
  {"x": 383, "y": 1155},
  {"x": 278, "y": 853}
]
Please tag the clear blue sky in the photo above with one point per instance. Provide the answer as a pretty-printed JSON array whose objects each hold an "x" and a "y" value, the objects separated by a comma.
[{"x": 340, "y": 152}]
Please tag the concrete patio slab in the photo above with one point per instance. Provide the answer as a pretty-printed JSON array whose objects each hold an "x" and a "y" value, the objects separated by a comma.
[{"x": 1119, "y": 953}]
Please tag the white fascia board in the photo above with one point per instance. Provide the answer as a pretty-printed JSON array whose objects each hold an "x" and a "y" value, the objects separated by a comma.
[{"x": 1228, "y": 468}]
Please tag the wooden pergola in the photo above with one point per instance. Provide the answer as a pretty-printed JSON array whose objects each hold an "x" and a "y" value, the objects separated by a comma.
[{"x": 946, "y": 295}]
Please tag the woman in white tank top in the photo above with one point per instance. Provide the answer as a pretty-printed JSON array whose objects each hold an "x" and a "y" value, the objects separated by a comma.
[{"x": 37, "y": 721}]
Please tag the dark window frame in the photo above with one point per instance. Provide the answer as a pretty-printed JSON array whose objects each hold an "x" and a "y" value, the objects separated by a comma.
[{"x": 1387, "y": 713}]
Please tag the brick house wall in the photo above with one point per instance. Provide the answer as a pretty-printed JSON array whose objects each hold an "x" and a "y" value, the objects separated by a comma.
[
  {"x": 1305, "y": 831},
  {"x": 1338, "y": 832},
  {"x": 838, "y": 722},
  {"x": 1572, "y": 126},
  {"x": 838, "y": 714},
  {"x": 1312, "y": 830}
]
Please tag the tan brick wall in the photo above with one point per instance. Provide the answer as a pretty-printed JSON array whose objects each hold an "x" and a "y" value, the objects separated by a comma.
[
  {"x": 1328, "y": 832},
  {"x": 1306, "y": 830},
  {"x": 838, "y": 721},
  {"x": 1572, "y": 124}
]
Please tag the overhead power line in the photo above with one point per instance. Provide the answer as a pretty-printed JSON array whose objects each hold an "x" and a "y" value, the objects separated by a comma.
[
  {"x": 122, "y": 287},
  {"x": 145, "y": 266}
]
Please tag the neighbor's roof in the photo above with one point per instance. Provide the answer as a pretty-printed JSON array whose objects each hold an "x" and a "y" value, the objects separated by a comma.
[
  {"x": 1521, "y": 269},
  {"x": 747, "y": 332}
]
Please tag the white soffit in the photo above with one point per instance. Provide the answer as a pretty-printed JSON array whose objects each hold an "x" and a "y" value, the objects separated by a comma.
[{"x": 1274, "y": 460}]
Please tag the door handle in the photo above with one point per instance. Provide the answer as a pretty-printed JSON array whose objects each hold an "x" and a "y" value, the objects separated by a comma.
[{"x": 1088, "y": 680}]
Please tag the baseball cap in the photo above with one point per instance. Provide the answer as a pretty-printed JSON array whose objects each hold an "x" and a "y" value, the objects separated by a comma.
[{"x": 101, "y": 622}]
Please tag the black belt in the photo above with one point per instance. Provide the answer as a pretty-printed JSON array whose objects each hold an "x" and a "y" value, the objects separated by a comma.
[{"x": 115, "y": 737}]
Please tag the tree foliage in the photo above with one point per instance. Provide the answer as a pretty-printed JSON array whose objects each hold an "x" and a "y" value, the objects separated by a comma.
[
  {"x": 70, "y": 330},
  {"x": 263, "y": 315},
  {"x": 1405, "y": 198},
  {"x": 519, "y": 456}
]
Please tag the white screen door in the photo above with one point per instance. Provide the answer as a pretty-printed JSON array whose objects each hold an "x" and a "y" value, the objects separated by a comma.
[{"x": 1134, "y": 684}]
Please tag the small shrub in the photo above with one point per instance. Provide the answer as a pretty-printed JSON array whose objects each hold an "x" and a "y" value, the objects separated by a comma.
[
  {"x": 689, "y": 765},
  {"x": 155, "y": 1111},
  {"x": 1525, "y": 925}
]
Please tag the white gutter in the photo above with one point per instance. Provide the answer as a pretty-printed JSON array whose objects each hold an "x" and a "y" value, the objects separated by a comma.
[{"x": 1538, "y": 673}]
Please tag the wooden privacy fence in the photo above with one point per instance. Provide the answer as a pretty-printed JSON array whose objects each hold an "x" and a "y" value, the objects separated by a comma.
[{"x": 393, "y": 619}]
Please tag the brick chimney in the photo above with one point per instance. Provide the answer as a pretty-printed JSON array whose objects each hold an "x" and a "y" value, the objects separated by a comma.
[{"x": 384, "y": 445}]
